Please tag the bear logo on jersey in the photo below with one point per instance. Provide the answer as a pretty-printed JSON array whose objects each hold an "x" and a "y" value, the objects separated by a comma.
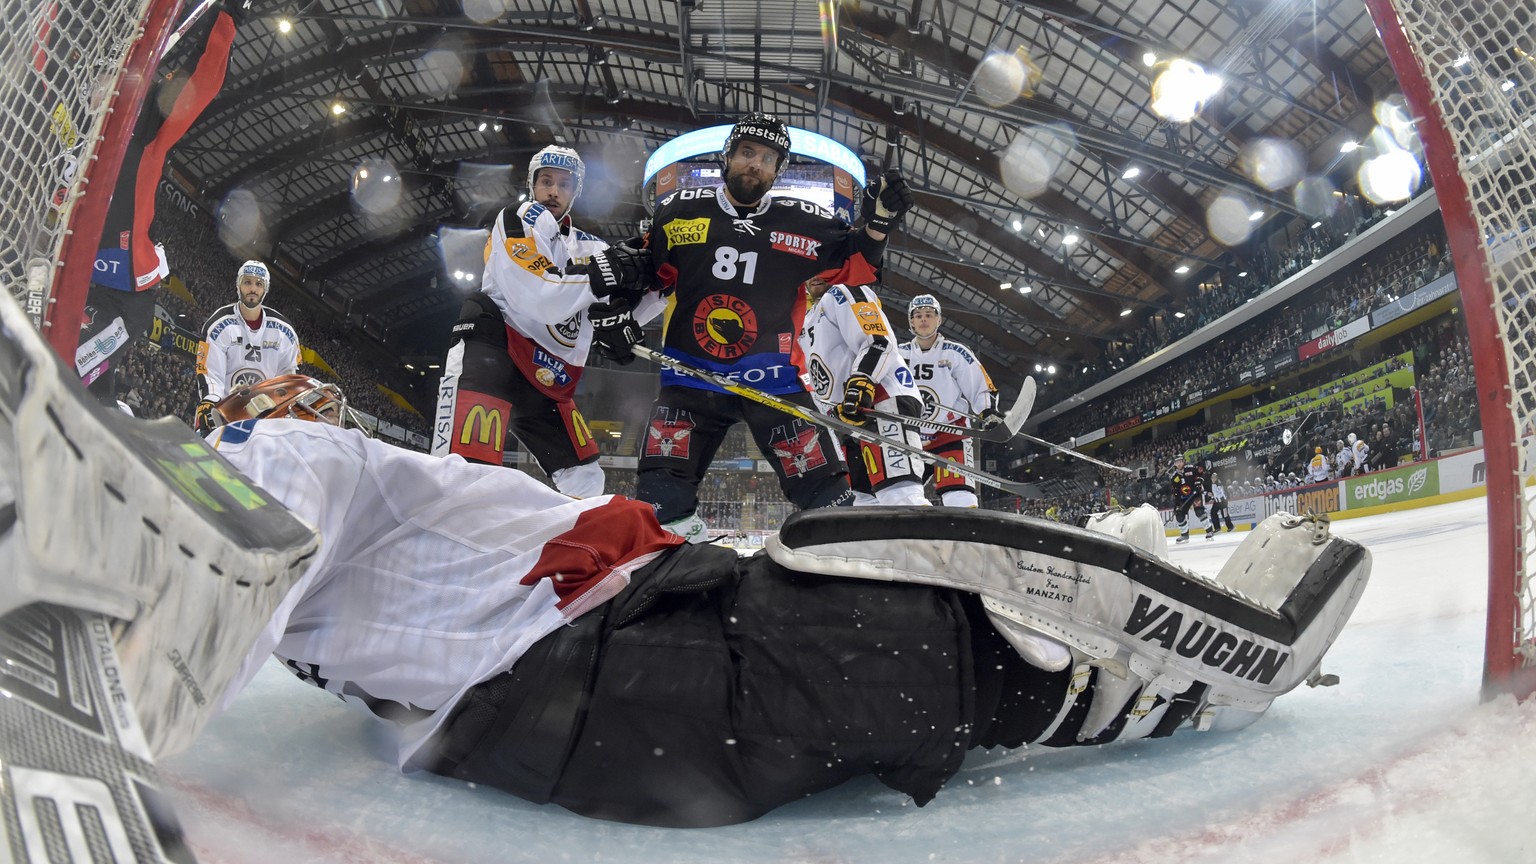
[{"x": 725, "y": 327}]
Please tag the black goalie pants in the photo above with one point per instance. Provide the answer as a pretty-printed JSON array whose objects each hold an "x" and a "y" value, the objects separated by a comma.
[{"x": 715, "y": 689}]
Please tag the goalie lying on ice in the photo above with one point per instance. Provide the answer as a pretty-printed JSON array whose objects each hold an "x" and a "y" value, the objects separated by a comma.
[{"x": 571, "y": 651}]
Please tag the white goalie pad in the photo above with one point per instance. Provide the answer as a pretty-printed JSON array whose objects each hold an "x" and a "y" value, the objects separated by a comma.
[
  {"x": 1249, "y": 635},
  {"x": 141, "y": 521}
]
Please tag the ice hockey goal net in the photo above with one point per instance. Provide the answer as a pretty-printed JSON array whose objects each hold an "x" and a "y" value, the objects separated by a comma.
[
  {"x": 1464, "y": 70},
  {"x": 72, "y": 78}
]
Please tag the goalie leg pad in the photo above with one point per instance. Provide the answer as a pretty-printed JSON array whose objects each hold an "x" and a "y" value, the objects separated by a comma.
[
  {"x": 1254, "y": 632},
  {"x": 140, "y": 521}
]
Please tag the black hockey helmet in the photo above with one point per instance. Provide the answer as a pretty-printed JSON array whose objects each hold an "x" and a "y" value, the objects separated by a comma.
[{"x": 763, "y": 128}]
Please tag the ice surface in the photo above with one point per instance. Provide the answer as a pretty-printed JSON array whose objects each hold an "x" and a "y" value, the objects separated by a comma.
[{"x": 1398, "y": 763}]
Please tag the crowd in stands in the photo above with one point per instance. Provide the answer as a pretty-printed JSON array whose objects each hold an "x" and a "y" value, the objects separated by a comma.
[{"x": 1403, "y": 269}]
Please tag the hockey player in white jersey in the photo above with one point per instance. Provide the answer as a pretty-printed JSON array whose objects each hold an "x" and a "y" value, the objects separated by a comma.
[
  {"x": 1343, "y": 459},
  {"x": 1361, "y": 453},
  {"x": 521, "y": 341},
  {"x": 243, "y": 343},
  {"x": 572, "y": 651},
  {"x": 953, "y": 383},
  {"x": 1317, "y": 469},
  {"x": 851, "y": 364}
]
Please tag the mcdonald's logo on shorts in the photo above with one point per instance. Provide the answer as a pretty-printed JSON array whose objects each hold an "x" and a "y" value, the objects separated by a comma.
[{"x": 480, "y": 427}]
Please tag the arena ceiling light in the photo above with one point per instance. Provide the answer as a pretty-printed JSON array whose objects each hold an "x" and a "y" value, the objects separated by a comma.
[
  {"x": 1006, "y": 286},
  {"x": 1018, "y": 225},
  {"x": 1131, "y": 173},
  {"x": 1070, "y": 239},
  {"x": 711, "y": 140},
  {"x": 1255, "y": 215},
  {"x": 1025, "y": 289},
  {"x": 284, "y": 25},
  {"x": 1124, "y": 312},
  {"x": 1349, "y": 146},
  {"x": 1182, "y": 268}
]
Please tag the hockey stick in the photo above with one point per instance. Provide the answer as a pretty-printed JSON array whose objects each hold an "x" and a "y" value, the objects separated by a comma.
[
  {"x": 806, "y": 414},
  {"x": 1083, "y": 456},
  {"x": 1003, "y": 432}
]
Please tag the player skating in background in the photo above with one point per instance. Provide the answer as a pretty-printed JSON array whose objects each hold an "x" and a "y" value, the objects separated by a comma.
[
  {"x": 738, "y": 258},
  {"x": 243, "y": 343},
  {"x": 521, "y": 341},
  {"x": 950, "y": 379},
  {"x": 1188, "y": 486},
  {"x": 668, "y": 684},
  {"x": 851, "y": 364}
]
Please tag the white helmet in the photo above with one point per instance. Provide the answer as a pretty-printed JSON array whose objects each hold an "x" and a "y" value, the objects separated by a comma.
[
  {"x": 254, "y": 268},
  {"x": 563, "y": 158},
  {"x": 1351, "y": 437},
  {"x": 925, "y": 301}
]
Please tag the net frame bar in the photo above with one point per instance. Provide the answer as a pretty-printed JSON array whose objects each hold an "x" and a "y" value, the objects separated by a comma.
[
  {"x": 1438, "y": 26},
  {"x": 77, "y": 252}
]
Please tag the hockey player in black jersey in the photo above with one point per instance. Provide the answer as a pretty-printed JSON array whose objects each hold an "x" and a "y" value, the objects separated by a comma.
[
  {"x": 736, "y": 259},
  {"x": 1188, "y": 486}
]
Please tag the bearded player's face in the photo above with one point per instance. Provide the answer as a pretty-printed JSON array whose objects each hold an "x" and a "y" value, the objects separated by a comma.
[{"x": 750, "y": 171}]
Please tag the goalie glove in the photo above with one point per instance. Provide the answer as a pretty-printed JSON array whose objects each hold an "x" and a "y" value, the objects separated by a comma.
[
  {"x": 858, "y": 395},
  {"x": 622, "y": 273},
  {"x": 886, "y": 200},
  {"x": 615, "y": 331},
  {"x": 207, "y": 417},
  {"x": 990, "y": 418}
]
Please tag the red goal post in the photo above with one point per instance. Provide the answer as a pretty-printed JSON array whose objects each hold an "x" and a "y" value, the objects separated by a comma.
[
  {"x": 73, "y": 76},
  {"x": 1469, "y": 83}
]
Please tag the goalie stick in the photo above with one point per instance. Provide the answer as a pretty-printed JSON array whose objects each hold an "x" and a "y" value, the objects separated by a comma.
[
  {"x": 1002, "y": 433},
  {"x": 836, "y": 425}
]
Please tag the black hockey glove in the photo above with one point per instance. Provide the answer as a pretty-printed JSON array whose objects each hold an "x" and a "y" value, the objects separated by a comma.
[
  {"x": 207, "y": 417},
  {"x": 886, "y": 200},
  {"x": 615, "y": 331},
  {"x": 858, "y": 394},
  {"x": 622, "y": 273},
  {"x": 990, "y": 418}
]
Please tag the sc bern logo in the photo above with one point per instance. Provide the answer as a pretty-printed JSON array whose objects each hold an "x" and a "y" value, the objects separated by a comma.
[{"x": 725, "y": 327}]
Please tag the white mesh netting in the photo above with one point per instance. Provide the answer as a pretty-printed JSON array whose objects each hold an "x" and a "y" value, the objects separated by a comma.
[
  {"x": 59, "y": 64},
  {"x": 1483, "y": 83}
]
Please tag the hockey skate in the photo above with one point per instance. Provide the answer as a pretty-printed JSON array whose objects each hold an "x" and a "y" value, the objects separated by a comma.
[{"x": 138, "y": 521}]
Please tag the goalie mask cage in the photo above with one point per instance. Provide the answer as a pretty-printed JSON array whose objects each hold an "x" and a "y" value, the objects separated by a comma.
[
  {"x": 1465, "y": 73},
  {"x": 74, "y": 74}
]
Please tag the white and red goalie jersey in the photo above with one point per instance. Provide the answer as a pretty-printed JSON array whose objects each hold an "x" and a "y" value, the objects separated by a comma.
[
  {"x": 434, "y": 574},
  {"x": 528, "y": 259},
  {"x": 847, "y": 332},
  {"x": 948, "y": 376}
]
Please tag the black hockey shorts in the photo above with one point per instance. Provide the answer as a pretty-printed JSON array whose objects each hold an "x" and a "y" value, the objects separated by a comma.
[
  {"x": 1182, "y": 507},
  {"x": 687, "y": 427},
  {"x": 714, "y": 689}
]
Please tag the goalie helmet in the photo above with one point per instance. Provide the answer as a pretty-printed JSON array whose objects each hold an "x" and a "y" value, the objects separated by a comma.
[
  {"x": 297, "y": 397},
  {"x": 563, "y": 158},
  {"x": 254, "y": 268},
  {"x": 763, "y": 128},
  {"x": 924, "y": 301}
]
